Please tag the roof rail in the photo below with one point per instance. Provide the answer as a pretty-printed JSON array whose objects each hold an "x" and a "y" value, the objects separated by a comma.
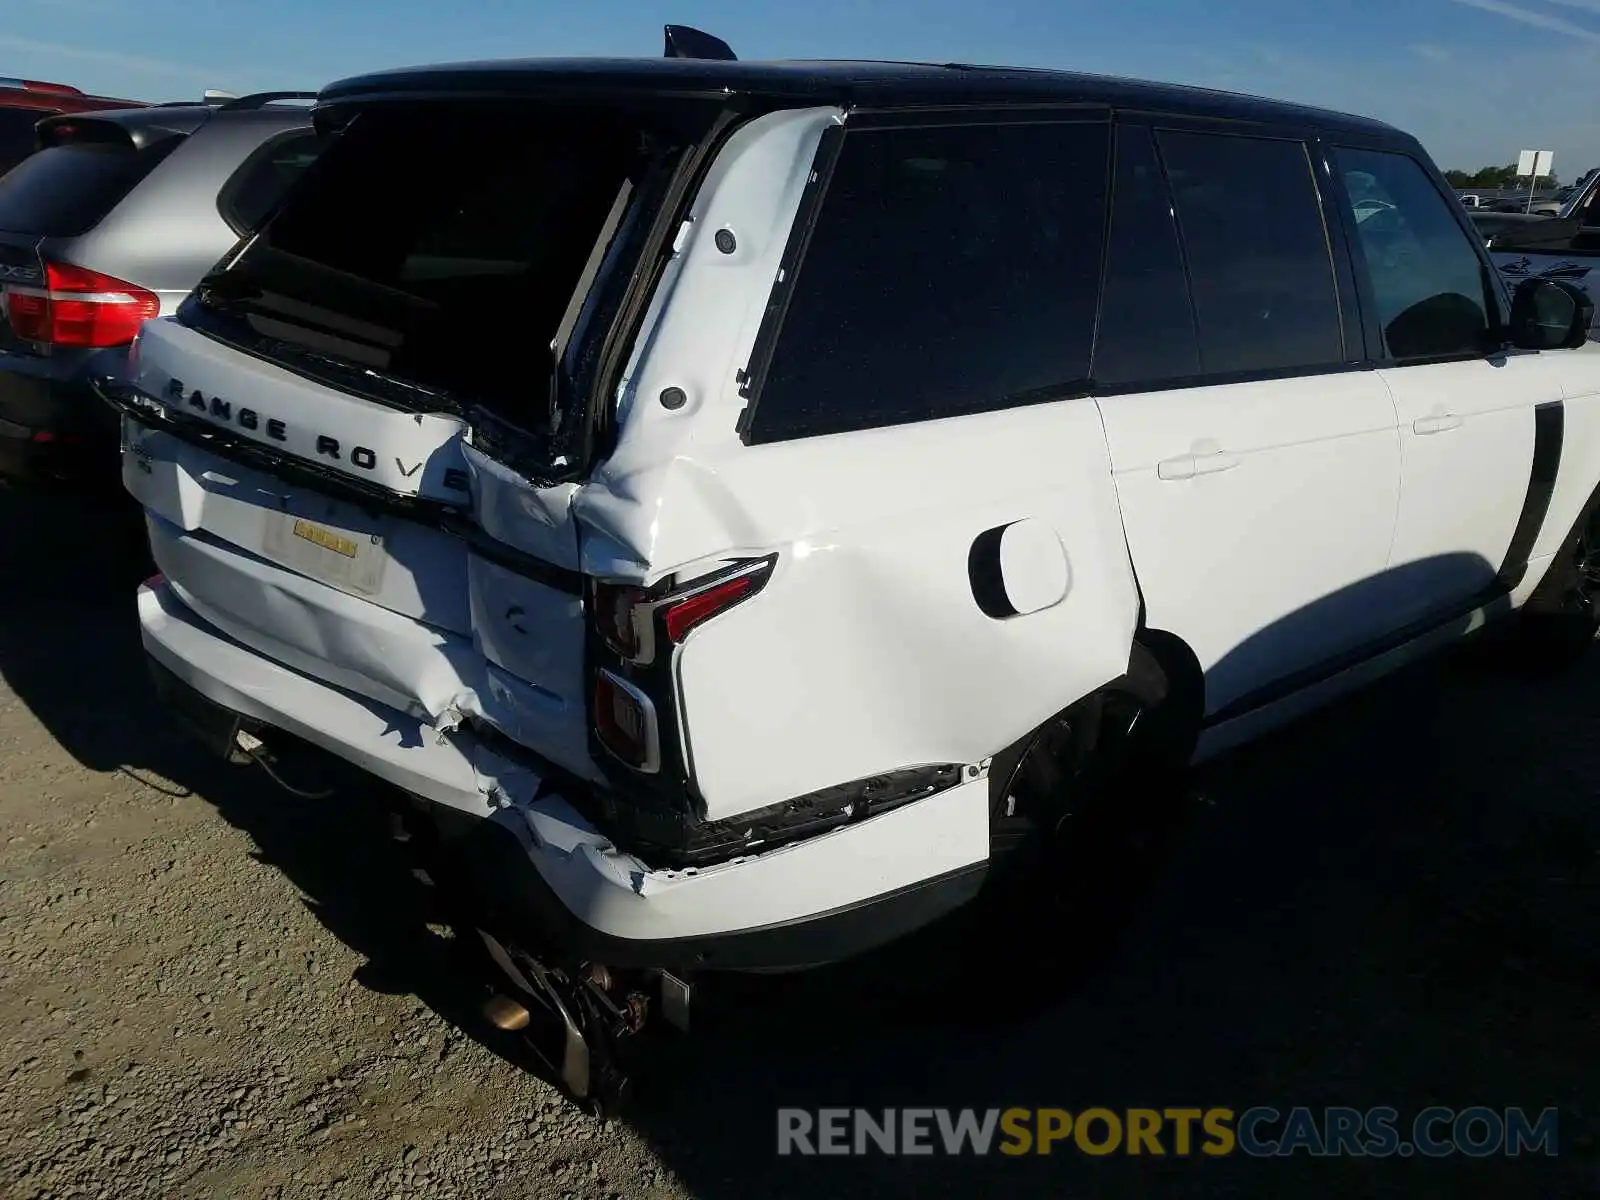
[
  {"x": 683, "y": 41},
  {"x": 262, "y": 99}
]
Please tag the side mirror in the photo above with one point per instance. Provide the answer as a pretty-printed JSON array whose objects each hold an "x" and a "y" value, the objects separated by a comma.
[{"x": 1549, "y": 314}]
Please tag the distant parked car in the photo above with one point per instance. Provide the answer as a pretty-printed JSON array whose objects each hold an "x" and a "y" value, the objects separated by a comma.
[
  {"x": 1550, "y": 206},
  {"x": 111, "y": 222},
  {"x": 1472, "y": 200},
  {"x": 1565, "y": 246},
  {"x": 26, "y": 102}
]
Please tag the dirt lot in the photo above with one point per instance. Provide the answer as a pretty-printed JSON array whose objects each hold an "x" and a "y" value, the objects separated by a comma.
[{"x": 211, "y": 988}]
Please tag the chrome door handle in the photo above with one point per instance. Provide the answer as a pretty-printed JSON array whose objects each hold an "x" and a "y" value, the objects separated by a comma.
[{"x": 1437, "y": 423}]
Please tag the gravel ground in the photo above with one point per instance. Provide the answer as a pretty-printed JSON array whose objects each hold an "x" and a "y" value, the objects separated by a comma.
[{"x": 209, "y": 988}]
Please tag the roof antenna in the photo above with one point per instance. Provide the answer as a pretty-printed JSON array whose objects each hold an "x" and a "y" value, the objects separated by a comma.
[
  {"x": 217, "y": 96},
  {"x": 685, "y": 42}
]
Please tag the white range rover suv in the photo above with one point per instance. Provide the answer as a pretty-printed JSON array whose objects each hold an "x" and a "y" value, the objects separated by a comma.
[{"x": 738, "y": 505}]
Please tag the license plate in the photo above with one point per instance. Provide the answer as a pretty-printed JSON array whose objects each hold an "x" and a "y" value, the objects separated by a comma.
[{"x": 346, "y": 558}]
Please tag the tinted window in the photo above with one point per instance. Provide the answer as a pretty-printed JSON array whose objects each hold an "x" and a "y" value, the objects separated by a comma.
[
  {"x": 1427, "y": 280},
  {"x": 253, "y": 193},
  {"x": 65, "y": 190},
  {"x": 1259, "y": 266},
  {"x": 16, "y": 135},
  {"x": 438, "y": 251},
  {"x": 951, "y": 270},
  {"x": 1146, "y": 328}
]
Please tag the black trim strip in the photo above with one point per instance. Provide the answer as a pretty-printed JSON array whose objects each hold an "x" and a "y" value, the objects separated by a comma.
[
  {"x": 1337, "y": 225},
  {"x": 1549, "y": 428},
  {"x": 456, "y": 520}
]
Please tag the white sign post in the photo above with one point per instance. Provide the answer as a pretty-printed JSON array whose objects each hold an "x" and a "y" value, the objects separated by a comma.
[{"x": 1533, "y": 164}]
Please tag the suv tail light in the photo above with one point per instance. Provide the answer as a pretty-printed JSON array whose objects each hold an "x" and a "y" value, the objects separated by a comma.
[
  {"x": 79, "y": 307},
  {"x": 625, "y": 720},
  {"x": 631, "y": 621}
]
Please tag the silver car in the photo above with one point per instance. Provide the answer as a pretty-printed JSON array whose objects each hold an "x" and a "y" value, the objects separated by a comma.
[{"x": 111, "y": 221}]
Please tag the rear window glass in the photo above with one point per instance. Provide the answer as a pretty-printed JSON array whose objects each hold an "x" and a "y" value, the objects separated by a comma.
[
  {"x": 65, "y": 190},
  {"x": 16, "y": 135},
  {"x": 438, "y": 249},
  {"x": 253, "y": 193}
]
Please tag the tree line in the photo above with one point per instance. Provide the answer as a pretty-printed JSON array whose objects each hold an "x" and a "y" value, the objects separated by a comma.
[{"x": 1503, "y": 178}]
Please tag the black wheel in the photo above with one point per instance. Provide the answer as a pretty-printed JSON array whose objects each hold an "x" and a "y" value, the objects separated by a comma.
[
  {"x": 1080, "y": 812},
  {"x": 1557, "y": 626}
]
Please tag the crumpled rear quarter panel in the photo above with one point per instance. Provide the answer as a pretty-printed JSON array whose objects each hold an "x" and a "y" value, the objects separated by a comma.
[{"x": 868, "y": 651}]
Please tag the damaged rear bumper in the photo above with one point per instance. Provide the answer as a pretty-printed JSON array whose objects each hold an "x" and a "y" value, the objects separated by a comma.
[{"x": 538, "y": 863}]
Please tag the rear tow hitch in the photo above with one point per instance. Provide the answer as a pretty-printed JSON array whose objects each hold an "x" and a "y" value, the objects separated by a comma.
[{"x": 578, "y": 1021}]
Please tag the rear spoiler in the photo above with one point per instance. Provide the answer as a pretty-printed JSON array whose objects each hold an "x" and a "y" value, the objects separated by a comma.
[
  {"x": 92, "y": 128},
  {"x": 142, "y": 128}
]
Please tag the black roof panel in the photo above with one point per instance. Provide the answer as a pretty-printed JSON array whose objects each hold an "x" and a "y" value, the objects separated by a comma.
[{"x": 826, "y": 82}]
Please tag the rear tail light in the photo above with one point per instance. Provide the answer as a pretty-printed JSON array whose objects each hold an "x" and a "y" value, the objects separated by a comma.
[
  {"x": 681, "y": 616},
  {"x": 79, "y": 307},
  {"x": 631, "y": 621},
  {"x": 616, "y": 613},
  {"x": 625, "y": 720}
]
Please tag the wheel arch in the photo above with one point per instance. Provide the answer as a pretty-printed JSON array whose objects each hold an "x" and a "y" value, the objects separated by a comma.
[
  {"x": 1547, "y": 593},
  {"x": 1164, "y": 671}
]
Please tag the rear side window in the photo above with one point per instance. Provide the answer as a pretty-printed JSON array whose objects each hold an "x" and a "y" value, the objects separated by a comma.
[
  {"x": 63, "y": 191},
  {"x": 1146, "y": 331},
  {"x": 1260, "y": 270},
  {"x": 950, "y": 270},
  {"x": 1427, "y": 280},
  {"x": 252, "y": 195},
  {"x": 16, "y": 135}
]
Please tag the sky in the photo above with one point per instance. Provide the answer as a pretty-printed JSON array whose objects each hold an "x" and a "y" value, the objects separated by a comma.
[{"x": 1475, "y": 80}]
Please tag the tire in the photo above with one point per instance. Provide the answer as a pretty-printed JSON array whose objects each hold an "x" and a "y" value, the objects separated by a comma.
[
  {"x": 1556, "y": 628},
  {"x": 1080, "y": 812}
]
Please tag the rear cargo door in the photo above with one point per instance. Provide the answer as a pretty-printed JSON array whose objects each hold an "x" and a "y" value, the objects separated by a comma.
[{"x": 369, "y": 423}]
